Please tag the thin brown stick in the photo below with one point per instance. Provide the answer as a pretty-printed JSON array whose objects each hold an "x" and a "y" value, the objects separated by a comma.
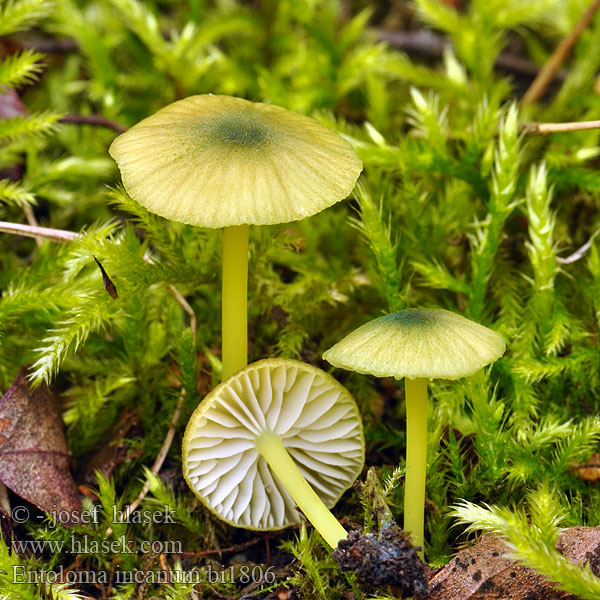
[
  {"x": 428, "y": 44},
  {"x": 160, "y": 458},
  {"x": 186, "y": 307},
  {"x": 96, "y": 120},
  {"x": 49, "y": 45},
  {"x": 546, "y": 75},
  {"x": 236, "y": 548},
  {"x": 60, "y": 235},
  {"x": 180, "y": 300},
  {"x": 546, "y": 128},
  {"x": 266, "y": 537},
  {"x": 43, "y": 233},
  {"x": 63, "y": 236},
  {"x": 30, "y": 216},
  {"x": 157, "y": 465},
  {"x": 580, "y": 252}
]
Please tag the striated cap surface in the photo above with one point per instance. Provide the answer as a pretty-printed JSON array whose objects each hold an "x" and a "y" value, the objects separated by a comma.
[
  {"x": 418, "y": 342},
  {"x": 215, "y": 161},
  {"x": 315, "y": 417}
]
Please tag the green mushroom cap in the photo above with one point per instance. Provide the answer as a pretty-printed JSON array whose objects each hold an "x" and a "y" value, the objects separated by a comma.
[
  {"x": 217, "y": 161},
  {"x": 418, "y": 342}
]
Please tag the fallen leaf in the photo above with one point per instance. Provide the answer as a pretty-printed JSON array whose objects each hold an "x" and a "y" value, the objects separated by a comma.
[
  {"x": 484, "y": 572},
  {"x": 6, "y": 530},
  {"x": 581, "y": 545},
  {"x": 590, "y": 469},
  {"x": 109, "y": 286},
  {"x": 34, "y": 456},
  {"x": 10, "y": 103}
]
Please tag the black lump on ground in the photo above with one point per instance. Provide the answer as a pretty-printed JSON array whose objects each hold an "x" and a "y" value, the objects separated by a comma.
[{"x": 385, "y": 559}]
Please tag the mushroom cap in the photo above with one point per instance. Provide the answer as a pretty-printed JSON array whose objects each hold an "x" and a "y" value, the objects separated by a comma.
[
  {"x": 418, "y": 342},
  {"x": 215, "y": 161},
  {"x": 317, "y": 420}
]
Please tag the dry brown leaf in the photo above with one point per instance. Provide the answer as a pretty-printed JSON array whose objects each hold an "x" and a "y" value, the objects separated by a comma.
[
  {"x": 483, "y": 571},
  {"x": 590, "y": 469},
  {"x": 109, "y": 286},
  {"x": 10, "y": 104},
  {"x": 581, "y": 545},
  {"x": 34, "y": 457}
]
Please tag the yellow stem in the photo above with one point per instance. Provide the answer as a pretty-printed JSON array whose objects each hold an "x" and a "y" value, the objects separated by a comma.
[
  {"x": 234, "y": 317},
  {"x": 416, "y": 458},
  {"x": 273, "y": 451}
]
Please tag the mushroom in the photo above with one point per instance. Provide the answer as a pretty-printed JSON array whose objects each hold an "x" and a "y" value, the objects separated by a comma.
[
  {"x": 276, "y": 434},
  {"x": 224, "y": 162},
  {"x": 417, "y": 344}
]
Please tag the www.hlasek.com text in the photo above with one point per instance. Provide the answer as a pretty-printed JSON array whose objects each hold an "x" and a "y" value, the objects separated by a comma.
[{"x": 78, "y": 545}]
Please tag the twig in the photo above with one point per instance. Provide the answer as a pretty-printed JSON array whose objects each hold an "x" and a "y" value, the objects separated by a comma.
[
  {"x": 558, "y": 57},
  {"x": 186, "y": 307},
  {"x": 546, "y": 128},
  {"x": 180, "y": 300},
  {"x": 96, "y": 120},
  {"x": 429, "y": 44},
  {"x": 423, "y": 41},
  {"x": 50, "y": 45},
  {"x": 62, "y": 235},
  {"x": 578, "y": 253},
  {"x": 160, "y": 458},
  {"x": 267, "y": 536},
  {"x": 30, "y": 216},
  {"x": 44, "y": 233},
  {"x": 157, "y": 465},
  {"x": 164, "y": 565},
  {"x": 236, "y": 548}
]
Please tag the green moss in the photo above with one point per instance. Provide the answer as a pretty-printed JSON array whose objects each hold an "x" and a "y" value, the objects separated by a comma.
[{"x": 457, "y": 209}]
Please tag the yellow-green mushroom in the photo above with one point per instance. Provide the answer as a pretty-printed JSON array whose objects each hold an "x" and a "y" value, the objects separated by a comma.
[
  {"x": 417, "y": 344},
  {"x": 275, "y": 435},
  {"x": 223, "y": 162}
]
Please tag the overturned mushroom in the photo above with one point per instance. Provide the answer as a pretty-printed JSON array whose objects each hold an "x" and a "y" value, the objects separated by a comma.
[{"x": 277, "y": 434}]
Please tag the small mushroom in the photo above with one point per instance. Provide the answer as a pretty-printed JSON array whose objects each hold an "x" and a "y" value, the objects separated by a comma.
[
  {"x": 417, "y": 344},
  {"x": 224, "y": 162},
  {"x": 276, "y": 435}
]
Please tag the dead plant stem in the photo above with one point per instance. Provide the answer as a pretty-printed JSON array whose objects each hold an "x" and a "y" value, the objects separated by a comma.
[
  {"x": 546, "y": 75},
  {"x": 546, "y": 128},
  {"x": 63, "y": 236},
  {"x": 158, "y": 463}
]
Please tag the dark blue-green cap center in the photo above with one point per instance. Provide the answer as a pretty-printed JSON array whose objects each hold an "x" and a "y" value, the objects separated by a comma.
[
  {"x": 235, "y": 129},
  {"x": 412, "y": 317}
]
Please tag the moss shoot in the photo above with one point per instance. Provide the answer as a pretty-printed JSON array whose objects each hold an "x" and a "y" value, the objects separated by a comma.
[{"x": 459, "y": 207}]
